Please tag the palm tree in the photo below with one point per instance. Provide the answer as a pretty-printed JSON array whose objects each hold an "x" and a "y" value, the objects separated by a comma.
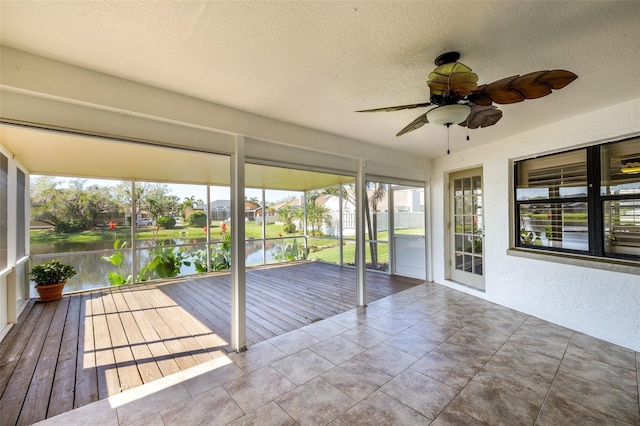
[
  {"x": 374, "y": 193},
  {"x": 187, "y": 206}
]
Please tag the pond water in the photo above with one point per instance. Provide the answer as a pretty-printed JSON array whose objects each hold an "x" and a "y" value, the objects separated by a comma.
[{"x": 93, "y": 270}]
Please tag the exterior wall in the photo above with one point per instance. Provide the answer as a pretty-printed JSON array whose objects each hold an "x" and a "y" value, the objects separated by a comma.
[{"x": 598, "y": 302}]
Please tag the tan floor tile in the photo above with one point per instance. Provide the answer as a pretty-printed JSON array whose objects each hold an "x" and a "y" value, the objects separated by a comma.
[
  {"x": 389, "y": 325},
  {"x": 451, "y": 319},
  {"x": 491, "y": 406},
  {"x": 386, "y": 359},
  {"x": 381, "y": 409},
  {"x": 356, "y": 379},
  {"x": 407, "y": 315},
  {"x": 480, "y": 334},
  {"x": 591, "y": 348},
  {"x": 374, "y": 310},
  {"x": 324, "y": 330},
  {"x": 446, "y": 370},
  {"x": 268, "y": 415},
  {"x": 99, "y": 412},
  {"x": 537, "y": 327},
  {"x": 513, "y": 356},
  {"x": 554, "y": 347},
  {"x": 618, "y": 377},
  {"x": 349, "y": 319},
  {"x": 302, "y": 366},
  {"x": 475, "y": 355},
  {"x": 337, "y": 349},
  {"x": 365, "y": 336},
  {"x": 212, "y": 379},
  {"x": 450, "y": 417},
  {"x": 152, "y": 420},
  {"x": 557, "y": 411},
  {"x": 315, "y": 403},
  {"x": 422, "y": 393},
  {"x": 411, "y": 343},
  {"x": 603, "y": 398},
  {"x": 136, "y": 409},
  {"x": 431, "y": 330},
  {"x": 258, "y": 388},
  {"x": 199, "y": 409},
  {"x": 257, "y": 356},
  {"x": 522, "y": 384},
  {"x": 293, "y": 341}
]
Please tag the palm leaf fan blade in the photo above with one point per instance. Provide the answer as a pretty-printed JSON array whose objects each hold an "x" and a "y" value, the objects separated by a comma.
[
  {"x": 397, "y": 108},
  {"x": 420, "y": 121},
  {"x": 482, "y": 116},
  {"x": 557, "y": 79},
  {"x": 479, "y": 98},
  {"x": 500, "y": 93},
  {"x": 529, "y": 86}
]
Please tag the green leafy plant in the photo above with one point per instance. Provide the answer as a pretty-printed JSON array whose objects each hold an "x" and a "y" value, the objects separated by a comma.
[
  {"x": 198, "y": 219},
  {"x": 289, "y": 228},
  {"x": 167, "y": 222},
  {"x": 220, "y": 255},
  {"x": 117, "y": 259},
  {"x": 165, "y": 263},
  {"x": 52, "y": 272},
  {"x": 288, "y": 252}
]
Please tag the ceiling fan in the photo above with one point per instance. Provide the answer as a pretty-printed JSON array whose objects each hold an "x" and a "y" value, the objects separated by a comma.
[{"x": 457, "y": 98}]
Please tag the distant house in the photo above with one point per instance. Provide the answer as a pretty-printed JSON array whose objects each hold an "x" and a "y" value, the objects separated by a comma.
[
  {"x": 220, "y": 209},
  {"x": 251, "y": 210}
]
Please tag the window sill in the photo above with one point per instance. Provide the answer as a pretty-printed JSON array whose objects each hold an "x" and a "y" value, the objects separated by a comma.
[{"x": 607, "y": 264}]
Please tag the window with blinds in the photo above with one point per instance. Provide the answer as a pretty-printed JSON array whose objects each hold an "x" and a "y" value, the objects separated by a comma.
[{"x": 585, "y": 201}]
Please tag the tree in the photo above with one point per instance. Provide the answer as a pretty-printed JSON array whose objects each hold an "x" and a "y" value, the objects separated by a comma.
[
  {"x": 71, "y": 208},
  {"x": 374, "y": 193},
  {"x": 187, "y": 206}
]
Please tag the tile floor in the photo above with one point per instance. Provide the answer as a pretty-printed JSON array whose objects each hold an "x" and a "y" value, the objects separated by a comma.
[{"x": 427, "y": 355}]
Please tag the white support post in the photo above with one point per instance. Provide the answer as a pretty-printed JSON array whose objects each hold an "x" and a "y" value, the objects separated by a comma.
[
  {"x": 208, "y": 249},
  {"x": 361, "y": 290},
  {"x": 238, "y": 279},
  {"x": 427, "y": 231},
  {"x": 392, "y": 229},
  {"x": 264, "y": 229},
  {"x": 341, "y": 223},
  {"x": 134, "y": 224}
]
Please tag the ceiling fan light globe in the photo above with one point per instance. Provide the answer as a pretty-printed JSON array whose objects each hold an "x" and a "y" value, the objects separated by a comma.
[{"x": 448, "y": 114}]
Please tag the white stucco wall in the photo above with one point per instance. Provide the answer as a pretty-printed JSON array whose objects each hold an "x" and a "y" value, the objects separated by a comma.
[{"x": 597, "y": 302}]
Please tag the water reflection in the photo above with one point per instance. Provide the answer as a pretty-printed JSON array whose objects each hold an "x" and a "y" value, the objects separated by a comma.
[{"x": 93, "y": 270}]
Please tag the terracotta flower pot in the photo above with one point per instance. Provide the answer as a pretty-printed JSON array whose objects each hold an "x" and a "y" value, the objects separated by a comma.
[{"x": 51, "y": 292}]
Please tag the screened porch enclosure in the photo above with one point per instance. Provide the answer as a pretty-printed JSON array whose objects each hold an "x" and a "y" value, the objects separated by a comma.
[{"x": 291, "y": 212}]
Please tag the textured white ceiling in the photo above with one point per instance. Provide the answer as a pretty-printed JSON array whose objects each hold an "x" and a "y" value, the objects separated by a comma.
[{"x": 314, "y": 63}]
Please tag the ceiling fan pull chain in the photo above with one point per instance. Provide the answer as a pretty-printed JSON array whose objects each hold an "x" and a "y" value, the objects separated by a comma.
[
  {"x": 467, "y": 126},
  {"x": 448, "y": 125}
]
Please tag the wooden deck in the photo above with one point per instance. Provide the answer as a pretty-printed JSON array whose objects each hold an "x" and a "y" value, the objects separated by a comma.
[{"x": 63, "y": 355}]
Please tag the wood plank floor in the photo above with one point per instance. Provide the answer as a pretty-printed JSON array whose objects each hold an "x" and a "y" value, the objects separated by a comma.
[{"x": 88, "y": 346}]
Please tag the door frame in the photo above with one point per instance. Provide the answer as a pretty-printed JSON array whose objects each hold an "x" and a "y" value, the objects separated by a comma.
[{"x": 474, "y": 281}]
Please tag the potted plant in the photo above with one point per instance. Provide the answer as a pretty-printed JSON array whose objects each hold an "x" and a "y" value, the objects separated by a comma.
[{"x": 50, "y": 278}]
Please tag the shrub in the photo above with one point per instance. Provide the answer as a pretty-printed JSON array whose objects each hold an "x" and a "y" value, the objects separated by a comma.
[
  {"x": 167, "y": 222},
  {"x": 198, "y": 220},
  {"x": 74, "y": 225},
  {"x": 289, "y": 228}
]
